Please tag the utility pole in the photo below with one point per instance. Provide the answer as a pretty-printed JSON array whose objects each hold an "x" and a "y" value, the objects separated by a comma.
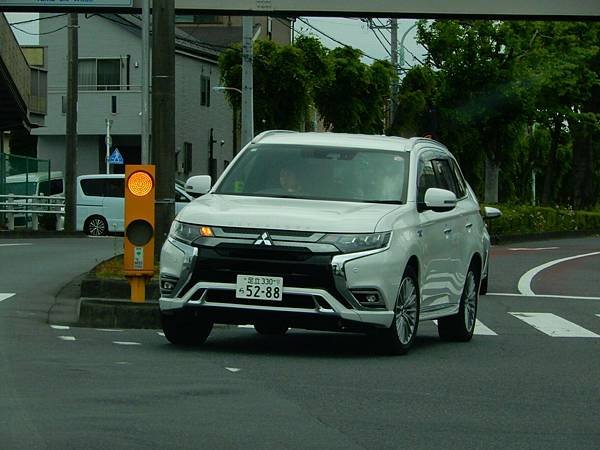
[
  {"x": 71, "y": 132},
  {"x": 163, "y": 116},
  {"x": 146, "y": 4},
  {"x": 394, "y": 56},
  {"x": 247, "y": 81}
]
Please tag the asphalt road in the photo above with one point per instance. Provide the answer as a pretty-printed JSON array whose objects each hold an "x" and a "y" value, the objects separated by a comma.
[{"x": 512, "y": 386}]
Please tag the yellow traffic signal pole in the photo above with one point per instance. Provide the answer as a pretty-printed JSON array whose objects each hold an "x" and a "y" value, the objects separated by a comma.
[{"x": 138, "y": 258}]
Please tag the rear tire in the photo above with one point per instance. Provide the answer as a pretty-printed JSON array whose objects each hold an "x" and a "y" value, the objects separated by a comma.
[
  {"x": 460, "y": 327},
  {"x": 96, "y": 226},
  {"x": 185, "y": 331},
  {"x": 271, "y": 329},
  {"x": 400, "y": 337}
]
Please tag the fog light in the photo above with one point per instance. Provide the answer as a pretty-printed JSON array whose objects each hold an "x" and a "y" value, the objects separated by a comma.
[
  {"x": 167, "y": 285},
  {"x": 369, "y": 298}
]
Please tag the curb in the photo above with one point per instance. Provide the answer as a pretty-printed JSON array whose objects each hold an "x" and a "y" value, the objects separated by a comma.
[
  {"x": 118, "y": 313},
  {"x": 507, "y": 239},
  {"x": 92, "y": 287}
]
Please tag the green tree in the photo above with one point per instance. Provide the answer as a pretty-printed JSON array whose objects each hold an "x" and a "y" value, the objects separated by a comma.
[
  {"x": 482, "y": 96},
  {"x": 354, "y": 98},
  {"x": 281, "y": 84}
]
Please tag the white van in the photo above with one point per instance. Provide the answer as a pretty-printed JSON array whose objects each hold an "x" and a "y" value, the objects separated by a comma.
[{"x": 100, "y": 204}]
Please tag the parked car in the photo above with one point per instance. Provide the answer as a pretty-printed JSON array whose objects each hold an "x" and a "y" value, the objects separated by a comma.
[
  {"x": 100, "y": 203},
  {"x": 331, "y": 232}
]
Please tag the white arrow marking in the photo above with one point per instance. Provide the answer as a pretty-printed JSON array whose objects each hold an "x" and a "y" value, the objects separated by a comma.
[
  {"x": 126, "y": 343},
  {"x": 67, "y": 338},
  {"x": 60, "y": 327},
  {"x": 525, "y": 281},
  {"x": 482, "y": 330},
  {"x": 5, "y": 296},
  {"x": 233, "y": 369}
]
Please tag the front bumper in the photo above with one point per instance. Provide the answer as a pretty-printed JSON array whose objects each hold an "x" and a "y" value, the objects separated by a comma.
[{"x": 317, "y": 294}]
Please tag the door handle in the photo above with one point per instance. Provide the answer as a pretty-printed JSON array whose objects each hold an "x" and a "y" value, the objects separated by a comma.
[
  {"x": 447, "y": 230},
  {"x": 469, "y": 226}
]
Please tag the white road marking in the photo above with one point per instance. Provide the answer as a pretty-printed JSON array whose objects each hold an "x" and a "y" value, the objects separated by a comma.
[
  {"x": 160, "y": 333},
  {"x": 245, "y": 326},
  {"x": 13, "y": 245},
  {"x": 126, "y": 343},
  {"x": 525, "y": 281},
  {"x": 5, "y": 297},
  {"x": 67, "y": 338},
  {"x": 532, "y": 249},
  {"x": 233, "y": 369},
  {"x": 60, "y": 327},
  {"x": 566, "y": 297},
  {"x": 482, "y": 330},
  {"x": 109, "y": 330},
  {"x": 553, "y": 325}
]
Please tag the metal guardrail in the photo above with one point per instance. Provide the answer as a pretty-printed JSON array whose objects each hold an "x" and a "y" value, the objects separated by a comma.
[{"x": 26, "y": 206}]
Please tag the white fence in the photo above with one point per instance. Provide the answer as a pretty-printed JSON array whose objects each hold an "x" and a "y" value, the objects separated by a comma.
[{"x": 29, "y": 209}]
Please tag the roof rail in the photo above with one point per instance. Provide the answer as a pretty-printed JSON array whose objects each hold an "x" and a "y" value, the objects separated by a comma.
[{"x": 264, "y": 134}]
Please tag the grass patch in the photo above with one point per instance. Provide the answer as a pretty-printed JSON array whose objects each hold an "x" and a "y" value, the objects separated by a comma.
[{"x": 113, "y": 269}]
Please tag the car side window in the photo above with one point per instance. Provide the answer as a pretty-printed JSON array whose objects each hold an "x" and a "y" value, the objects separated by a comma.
[
  {"x": 56, "y": 187},
  {"x": 426, "y": 179},
  {"x": 461, "y": 184},
  {"x": 444, "y": 175},
  {"x": 93, "y": 187},
  {"x": 115, "y": 187}
]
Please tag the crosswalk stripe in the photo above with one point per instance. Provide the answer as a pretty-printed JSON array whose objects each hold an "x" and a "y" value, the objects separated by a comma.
[
  {"x": 482, "y": 330},
  {"x": 553, "y": 325},
  {"x": 5, "y": 296}
]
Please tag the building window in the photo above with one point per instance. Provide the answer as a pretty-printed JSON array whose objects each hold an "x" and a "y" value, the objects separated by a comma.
[
  {"x": 187, "y": 157},
  {"x": 197, "y": 19},
  {"x": 205, "y": 90},
  {"x": 113, "y": 104},
  {"x": 63, "y": 104},
  {"x": 100, "y": 74}
]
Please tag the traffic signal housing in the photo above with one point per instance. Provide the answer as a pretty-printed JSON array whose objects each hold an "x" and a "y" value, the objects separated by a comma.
[{"x": 138, "y": 260}]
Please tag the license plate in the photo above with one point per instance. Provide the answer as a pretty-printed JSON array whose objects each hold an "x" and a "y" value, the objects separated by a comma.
[{"x": 259, "y": 287}]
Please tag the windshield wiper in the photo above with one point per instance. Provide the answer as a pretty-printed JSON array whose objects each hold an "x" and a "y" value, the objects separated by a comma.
[{"x": 385, "y": 202}]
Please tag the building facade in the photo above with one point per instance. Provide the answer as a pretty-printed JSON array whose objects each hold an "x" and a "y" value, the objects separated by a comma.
[{"x": 110, "y": 52}]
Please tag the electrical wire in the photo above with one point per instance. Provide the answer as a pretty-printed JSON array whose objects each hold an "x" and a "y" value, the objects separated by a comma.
[
  {"x": 336, "y": 40},
  {"x": 39, "y": 34},
  {"x": 38, "y": 19}
]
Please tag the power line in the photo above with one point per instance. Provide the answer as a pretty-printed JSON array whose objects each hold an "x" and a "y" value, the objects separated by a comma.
[
  {"x": 39, "y": 34},
  {"x": 37, "y": 20},
  {"x": 335, "y": 40}
]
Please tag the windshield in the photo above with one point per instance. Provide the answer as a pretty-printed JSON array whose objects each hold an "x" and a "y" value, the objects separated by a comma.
[{"x": 319, "y": 173}]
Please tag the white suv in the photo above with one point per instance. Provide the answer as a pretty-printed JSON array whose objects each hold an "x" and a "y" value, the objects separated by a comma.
[{"x": 330, "y": 232}]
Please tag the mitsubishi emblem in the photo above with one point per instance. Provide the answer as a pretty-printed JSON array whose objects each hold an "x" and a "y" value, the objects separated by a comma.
[{"x": 264, "y": 239}]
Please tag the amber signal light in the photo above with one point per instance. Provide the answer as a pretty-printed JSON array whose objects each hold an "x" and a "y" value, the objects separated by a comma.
[{"x": 140, "y": 183}]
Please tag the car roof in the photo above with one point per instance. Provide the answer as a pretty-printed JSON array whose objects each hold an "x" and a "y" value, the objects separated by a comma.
[{"x": 343, "y": 140}]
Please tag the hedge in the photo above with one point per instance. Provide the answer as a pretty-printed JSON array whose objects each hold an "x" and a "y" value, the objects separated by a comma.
[{"x": 524, "y": 220}]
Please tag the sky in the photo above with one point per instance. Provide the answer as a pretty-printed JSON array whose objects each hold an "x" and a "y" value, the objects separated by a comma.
[{"x": 353, "y": 32}]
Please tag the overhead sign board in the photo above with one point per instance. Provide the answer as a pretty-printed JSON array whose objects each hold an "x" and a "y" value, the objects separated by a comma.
[
  {"x": 544, "y": 9},
  {"x": 56, "y": 4}
]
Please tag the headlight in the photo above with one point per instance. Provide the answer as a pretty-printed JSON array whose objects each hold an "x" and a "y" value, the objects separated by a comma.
[
  {"x": 349, "y": 243},
  {"x": 188, "y": 233}
]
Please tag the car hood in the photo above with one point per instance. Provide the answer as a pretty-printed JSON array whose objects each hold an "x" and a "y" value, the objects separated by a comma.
[{"x": 285, "y": 214}]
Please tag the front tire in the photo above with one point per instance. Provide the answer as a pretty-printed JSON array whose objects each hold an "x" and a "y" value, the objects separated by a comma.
[
  {"x": 185, "y": 331},
  {"x": 400, "y": 337},
  {"x": 460, "y": 327},
  {"x": 96, "y": 226}
]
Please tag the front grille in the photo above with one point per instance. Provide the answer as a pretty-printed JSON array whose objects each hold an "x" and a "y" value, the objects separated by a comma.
[{"x": 298, "y": 267}]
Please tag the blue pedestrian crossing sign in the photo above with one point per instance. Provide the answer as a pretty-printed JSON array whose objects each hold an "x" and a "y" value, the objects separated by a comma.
[{"x": 116, "y": 157}]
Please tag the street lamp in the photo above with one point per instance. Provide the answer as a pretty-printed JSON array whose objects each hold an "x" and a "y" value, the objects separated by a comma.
[{"x": 225, "y": 88}]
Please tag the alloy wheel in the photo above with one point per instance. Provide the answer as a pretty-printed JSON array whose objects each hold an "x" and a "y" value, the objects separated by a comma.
[
  {"x": 470, "y": 301},
  {"x": 406, "y": 311}
]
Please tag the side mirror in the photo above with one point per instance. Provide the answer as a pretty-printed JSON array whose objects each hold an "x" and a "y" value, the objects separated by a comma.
[
  {"x": 198, "y": 185},
  {"x": 440, "y": 200},
  {"x": 491, "y": 213}
]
